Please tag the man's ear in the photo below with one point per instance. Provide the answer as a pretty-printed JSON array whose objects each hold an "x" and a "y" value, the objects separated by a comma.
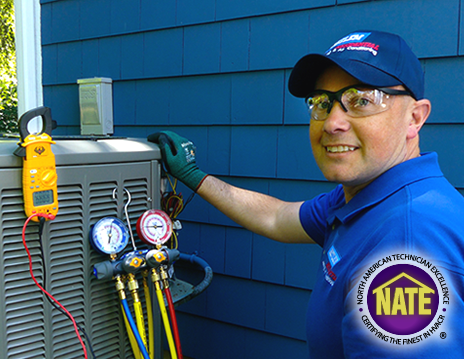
[{"x": 419, "y": 114}]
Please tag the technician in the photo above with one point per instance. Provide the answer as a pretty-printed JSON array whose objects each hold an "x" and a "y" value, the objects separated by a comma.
[{"x": 366, "y": 102}]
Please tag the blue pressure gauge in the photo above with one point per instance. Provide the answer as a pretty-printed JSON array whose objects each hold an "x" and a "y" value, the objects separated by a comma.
[{"x": 109, "y": 236}]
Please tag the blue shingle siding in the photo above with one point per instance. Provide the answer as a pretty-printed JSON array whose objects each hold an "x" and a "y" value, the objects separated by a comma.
[{"x": 216, "y": 71}]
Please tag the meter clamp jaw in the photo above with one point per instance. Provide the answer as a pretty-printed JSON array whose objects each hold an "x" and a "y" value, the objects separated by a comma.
[{"x": 39, "y": 169}]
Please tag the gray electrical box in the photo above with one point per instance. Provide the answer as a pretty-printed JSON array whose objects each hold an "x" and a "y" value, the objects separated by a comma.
[
  {"x": 96, "y": 106},
  {"x": 88, "y": 172}
]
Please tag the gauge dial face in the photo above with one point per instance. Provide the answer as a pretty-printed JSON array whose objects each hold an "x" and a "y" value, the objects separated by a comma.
[
  {"x": 154, "y": 227},
  {"x": 109, "y": 235}
]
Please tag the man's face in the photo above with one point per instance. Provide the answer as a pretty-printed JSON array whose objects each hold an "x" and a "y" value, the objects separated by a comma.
[{"x": 354, "y": 151}]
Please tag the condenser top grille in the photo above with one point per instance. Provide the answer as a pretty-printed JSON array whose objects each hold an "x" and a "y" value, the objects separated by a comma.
[{"x": 79, "y": 151}]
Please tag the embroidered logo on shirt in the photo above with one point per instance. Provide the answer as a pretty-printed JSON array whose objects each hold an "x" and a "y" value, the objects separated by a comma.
[
  {"x": 327, "y": 268},
  {"x": 333, "y": 256}
]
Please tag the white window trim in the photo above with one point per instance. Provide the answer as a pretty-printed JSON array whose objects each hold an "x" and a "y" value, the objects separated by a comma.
[{"x": 28, "y": 58}]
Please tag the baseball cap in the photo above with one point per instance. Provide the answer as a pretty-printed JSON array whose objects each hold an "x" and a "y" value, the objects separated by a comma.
[{"x": 375, "y": 58}]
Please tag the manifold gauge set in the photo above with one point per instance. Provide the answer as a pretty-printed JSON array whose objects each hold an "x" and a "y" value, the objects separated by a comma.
[{"x": 111, "y": 236}]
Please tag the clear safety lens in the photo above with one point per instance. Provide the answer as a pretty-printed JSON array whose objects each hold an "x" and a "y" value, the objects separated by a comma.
[{"x": 356, "y": 102}]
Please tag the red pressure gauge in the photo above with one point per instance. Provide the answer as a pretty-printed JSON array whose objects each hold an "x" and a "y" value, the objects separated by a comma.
[{"x": 154, "y": 227}]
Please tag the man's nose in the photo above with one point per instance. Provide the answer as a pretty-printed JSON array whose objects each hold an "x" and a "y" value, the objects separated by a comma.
[{"x": 337, "y": 119}]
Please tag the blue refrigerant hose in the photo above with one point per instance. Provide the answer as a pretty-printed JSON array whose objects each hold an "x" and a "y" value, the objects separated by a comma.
[
  {"x": 142, "y": 348},
  {"x": 194, "y": 259}
]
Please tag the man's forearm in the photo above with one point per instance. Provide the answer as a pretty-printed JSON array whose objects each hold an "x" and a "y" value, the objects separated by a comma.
[{"x": 260, "y": 213}]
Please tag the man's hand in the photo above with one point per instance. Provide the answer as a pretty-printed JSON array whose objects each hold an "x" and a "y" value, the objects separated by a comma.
[{"x": 179, "y": 158}]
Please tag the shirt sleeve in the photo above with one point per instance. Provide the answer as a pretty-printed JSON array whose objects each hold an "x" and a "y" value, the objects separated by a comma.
[{"x": 314, "y": 213}]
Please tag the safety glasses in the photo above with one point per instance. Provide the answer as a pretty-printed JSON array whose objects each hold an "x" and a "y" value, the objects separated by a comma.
[{"x": 356, "y": 101}]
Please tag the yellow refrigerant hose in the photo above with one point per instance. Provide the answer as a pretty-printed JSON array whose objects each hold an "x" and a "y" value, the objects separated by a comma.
[
  {"x": 133, "y": 342},
  {"x": 138, "y": 311},
  {"x": 151, "y": 330},
  {"x": 164, "y": 314},
  {"x": 134, "y": 338}
]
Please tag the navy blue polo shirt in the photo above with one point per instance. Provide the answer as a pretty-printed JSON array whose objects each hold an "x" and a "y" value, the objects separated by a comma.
[{"x": 411, "y": 208}]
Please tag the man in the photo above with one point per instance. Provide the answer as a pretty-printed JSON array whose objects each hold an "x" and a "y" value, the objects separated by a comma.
[{"x": 392, "y": 233}]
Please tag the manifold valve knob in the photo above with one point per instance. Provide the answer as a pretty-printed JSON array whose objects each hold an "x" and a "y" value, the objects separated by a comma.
[{"x": 103, "y": 270}]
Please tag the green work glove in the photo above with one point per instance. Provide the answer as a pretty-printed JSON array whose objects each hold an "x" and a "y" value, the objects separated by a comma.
[{"x": 179, "y": 158}]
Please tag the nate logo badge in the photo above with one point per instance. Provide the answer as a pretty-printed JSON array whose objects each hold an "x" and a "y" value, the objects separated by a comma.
[{"x": 404, "y": 299}]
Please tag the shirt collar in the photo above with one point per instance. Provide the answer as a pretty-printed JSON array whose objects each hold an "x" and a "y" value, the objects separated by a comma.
[{"x": 395, "y": 178}]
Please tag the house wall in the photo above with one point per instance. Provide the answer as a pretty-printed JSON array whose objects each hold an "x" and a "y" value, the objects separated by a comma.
[{"x": 216, "y": 72}]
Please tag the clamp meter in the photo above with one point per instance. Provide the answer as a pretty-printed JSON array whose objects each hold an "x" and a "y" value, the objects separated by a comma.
[
  {"x": 154, "y": 227},
  {"x": 109, "y": 236},
  {"x": 39, "y": 169}
]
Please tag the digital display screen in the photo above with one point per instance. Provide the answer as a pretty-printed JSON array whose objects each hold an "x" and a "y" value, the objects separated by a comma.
[{"x": 42, "y": 198}]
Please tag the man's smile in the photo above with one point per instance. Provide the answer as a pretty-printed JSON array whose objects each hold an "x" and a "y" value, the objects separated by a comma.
[{"x": 339, "y": 149}]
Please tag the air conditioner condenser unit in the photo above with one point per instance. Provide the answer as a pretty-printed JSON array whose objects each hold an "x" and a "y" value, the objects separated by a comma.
[{"x": 88, "y": 170}]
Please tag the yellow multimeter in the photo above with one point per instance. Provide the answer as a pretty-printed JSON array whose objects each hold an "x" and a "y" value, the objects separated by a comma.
[{"x": 39, "y": 168}]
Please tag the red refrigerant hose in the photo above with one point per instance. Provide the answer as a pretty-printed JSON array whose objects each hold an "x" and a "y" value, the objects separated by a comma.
[{"x": 175, "y": 328}]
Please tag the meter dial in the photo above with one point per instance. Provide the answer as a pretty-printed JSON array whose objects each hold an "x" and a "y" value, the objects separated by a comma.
[
  {"x": 109, "y": 235},
  {"x": 154, "y": 227}
]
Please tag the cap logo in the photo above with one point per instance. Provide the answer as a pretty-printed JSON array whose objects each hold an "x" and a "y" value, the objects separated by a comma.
[
  {"x": 357, "y": 37},
  {"x": 354, "y": 42}
]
